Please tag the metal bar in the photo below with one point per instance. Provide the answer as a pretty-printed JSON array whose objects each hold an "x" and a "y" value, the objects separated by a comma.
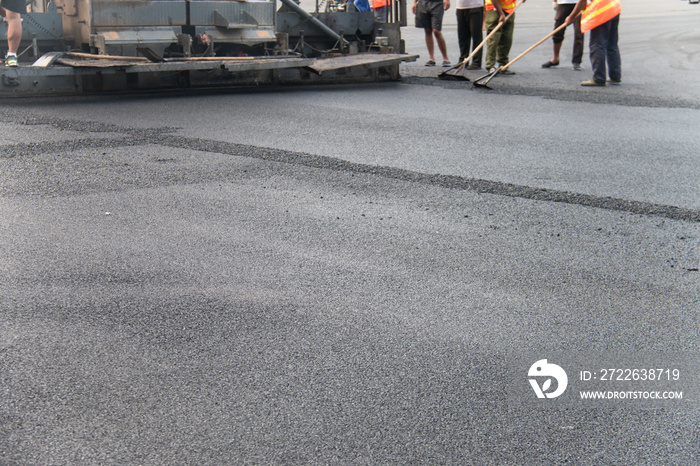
[{"x": 325, "y": 29}]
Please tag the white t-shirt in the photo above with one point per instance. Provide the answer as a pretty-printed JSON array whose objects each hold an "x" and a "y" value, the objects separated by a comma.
[
  {"x": 463, "y": 4},
  {"x": 564, "y": 2}
]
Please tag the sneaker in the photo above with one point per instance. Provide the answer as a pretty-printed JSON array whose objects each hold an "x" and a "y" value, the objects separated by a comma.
[
  {"x": 549, "y": 64},
  {"x": 474, "y": 67},
  {"x": 613, "y": 81},
  {"x": 592, "y": 82},
  {"x": 507, "y": 72},
  {"x": 576, "y": 67},
  {"x": 490, "y": 70},
  {"x": 430, "y": 63},
  {"x": 11, "y": 60},
  {"x": 446, "y": 63}
]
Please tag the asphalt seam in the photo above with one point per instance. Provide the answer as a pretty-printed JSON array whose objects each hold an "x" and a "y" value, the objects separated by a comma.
[
  {"x": 137, "y": 137},
  {"x": 446, "y": 181}
]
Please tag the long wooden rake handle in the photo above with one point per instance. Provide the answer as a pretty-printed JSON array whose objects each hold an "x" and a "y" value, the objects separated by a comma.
[
  {"x": 119, "y": 57},
  {"x": 562, "y": 26},
  {"x": 484, "y": 80},
  {"x": 102, "y": 57}
]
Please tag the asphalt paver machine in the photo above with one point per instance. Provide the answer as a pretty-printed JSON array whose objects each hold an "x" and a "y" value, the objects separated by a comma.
[{"x": 84, "y": 46}]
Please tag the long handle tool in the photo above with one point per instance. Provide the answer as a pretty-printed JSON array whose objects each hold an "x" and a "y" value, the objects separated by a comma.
[
  {"x": 484, "y": 80},
  {"x": 460, "y": 66}
]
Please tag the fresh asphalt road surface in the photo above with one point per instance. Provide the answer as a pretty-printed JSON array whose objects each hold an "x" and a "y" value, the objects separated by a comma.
[{"x": 356, "y": 274}]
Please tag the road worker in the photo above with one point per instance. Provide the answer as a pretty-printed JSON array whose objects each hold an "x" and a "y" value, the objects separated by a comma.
[
  {"x": 498, "y": 46},
  {"x": 381, "y": 10},
  {"x": 11, "y": 10},
  {"x": 602, "y": 18}
]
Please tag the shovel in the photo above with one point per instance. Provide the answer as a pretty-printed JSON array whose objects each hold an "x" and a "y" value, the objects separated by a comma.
[
  {"x": 460, "y": 66},
  {"x": 484, "y": 80}
]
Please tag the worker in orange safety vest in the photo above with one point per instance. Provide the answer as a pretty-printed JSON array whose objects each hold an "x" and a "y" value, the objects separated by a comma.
[
  {"x": 381, "y": 10},
  {"x": 498, "y": 46},
  {"x": 601, "y": 18}
]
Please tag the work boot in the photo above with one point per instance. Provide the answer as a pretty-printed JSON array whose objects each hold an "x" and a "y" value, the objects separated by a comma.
[{"x": 592, "y": 82}]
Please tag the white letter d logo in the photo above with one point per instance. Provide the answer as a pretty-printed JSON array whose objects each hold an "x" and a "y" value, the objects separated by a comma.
[{"x": 549, "y": 371}]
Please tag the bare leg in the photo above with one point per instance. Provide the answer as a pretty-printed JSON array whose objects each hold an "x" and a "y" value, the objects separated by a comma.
[
  {"x": 441, "y": 44},
  {"x": 14, "y": 30},
  {"x": 429, "y": 43},
  {"x": 557, "y": 49}
]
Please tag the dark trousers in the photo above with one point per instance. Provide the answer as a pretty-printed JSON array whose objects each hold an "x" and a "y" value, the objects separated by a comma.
[
  {"x": 603, "y": 49},
  {"x": 559, "y": 17},
  {"x": 469, "y": 22}
]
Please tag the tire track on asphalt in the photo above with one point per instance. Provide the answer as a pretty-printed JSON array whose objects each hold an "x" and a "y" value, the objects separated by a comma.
[
  {"x": 48, "y": 147},
  {"x": 137, "y": 137},
  {"x": 446, "y": 181}
]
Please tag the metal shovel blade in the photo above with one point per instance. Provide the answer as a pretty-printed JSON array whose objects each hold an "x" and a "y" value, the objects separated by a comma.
[
  {"x": 455, "y": 77},
  {"x": 484, "y": 80},
  {"x": 452, "y": 77}
]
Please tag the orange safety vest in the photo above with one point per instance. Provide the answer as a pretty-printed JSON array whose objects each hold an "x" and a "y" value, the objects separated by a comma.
[
  {"x": 598, "y": 12},
  {"x": 380, "y": 3},
  {"x": 507, "y": 5}
]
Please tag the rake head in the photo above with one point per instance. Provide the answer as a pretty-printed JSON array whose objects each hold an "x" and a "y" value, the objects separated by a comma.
[
  {"x": 454, "y": 77},
  {"x": 485, "y": 79}
]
